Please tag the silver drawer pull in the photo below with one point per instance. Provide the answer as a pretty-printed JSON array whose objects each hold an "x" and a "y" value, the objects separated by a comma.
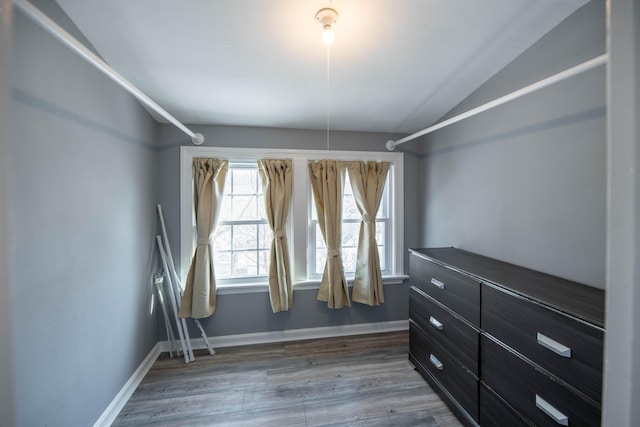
[
  {"x": 435, "y": 323},
  {"x": 554, "y": 346},
  {"x": 435, "y": 362},
  {"x": 552, "y": 412},
  {"x": 438, "y": 283}
]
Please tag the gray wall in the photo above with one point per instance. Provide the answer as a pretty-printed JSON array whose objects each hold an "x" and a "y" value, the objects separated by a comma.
[
  {"x": 622, "y": 346},
  {"x": 250, "y": 313},
  {"x": 526, "y": 182},
  {"x": 84, "y": 219},
  {"x": 7, "y": 413}
]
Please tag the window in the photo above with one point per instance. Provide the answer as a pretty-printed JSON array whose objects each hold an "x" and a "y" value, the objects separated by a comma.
[
  {"x": 350, "y": 233},
  {"x": 243, "y": 237}
]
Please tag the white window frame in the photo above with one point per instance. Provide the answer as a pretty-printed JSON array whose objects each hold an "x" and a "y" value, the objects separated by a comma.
[
  {"x": 242, "y": 279},
  {"x": 387, "y": 221},
  {"x": 298, "y": 230}
]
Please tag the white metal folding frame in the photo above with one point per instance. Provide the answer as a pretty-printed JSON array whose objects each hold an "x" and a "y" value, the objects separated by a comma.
[{"x": 175, "y": 280}]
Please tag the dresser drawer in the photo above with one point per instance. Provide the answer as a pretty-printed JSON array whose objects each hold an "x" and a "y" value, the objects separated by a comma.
[
  {"x": 532, "y": 393},
  {"x": 459, "y": 292},
  {"x": 445, "y": 329},
  {"x": 442, "y": 367},
  {"x": 566, "y": 347},
  {"x": 495, "y": 412}
]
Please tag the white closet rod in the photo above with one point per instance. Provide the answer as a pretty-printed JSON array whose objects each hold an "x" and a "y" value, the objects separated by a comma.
[
  {"x": 592, "y": 63},
  {"x": 54, "y": 29}
]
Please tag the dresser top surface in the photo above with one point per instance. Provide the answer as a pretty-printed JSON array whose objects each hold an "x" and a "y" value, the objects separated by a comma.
[{"x": 582, "y": 301}]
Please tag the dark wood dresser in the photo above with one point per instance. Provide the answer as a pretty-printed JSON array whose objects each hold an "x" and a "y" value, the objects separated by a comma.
[{"x": 505, "y": 345}]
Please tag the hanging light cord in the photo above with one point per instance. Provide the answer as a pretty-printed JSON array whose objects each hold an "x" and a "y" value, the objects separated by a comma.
[
  {"x": 328, "y": 95},
  {"x": 328, "y": 89}
]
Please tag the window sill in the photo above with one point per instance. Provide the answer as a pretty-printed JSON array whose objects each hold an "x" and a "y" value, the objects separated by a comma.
[{"x": 258, "y": 287}]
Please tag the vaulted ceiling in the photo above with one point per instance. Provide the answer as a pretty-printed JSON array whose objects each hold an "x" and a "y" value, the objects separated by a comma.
[{"x": 395, "y": 66}]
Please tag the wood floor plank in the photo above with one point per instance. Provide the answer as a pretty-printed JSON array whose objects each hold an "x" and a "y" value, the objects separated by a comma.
[
  {"x": 292, "y": 416},
  {"x": 314, "y": 390},
  {"x": 346, "y": 381},
  {"x": 147, "y": 412},
  {"x": 338, "y": 369},
  {"x": 363, "y": 407},
  {"x": 175, "y": 387},
  {"x": 421, "y": 418}
]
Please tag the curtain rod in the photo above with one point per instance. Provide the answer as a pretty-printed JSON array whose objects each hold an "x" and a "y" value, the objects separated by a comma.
[
  {"x": 54, "y": 29},
  {"x": 587, "y": 65}
]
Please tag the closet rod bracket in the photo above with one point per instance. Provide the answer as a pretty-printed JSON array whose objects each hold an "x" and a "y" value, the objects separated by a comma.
[{"x": 197, "y": 139}]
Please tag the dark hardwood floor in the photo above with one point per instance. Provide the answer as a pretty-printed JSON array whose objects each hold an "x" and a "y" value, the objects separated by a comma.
[{"x": 347, "y": 381}]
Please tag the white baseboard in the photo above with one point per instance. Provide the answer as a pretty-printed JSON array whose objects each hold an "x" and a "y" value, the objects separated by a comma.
[
  {"x": 295, "y": 334},
  {"x": 109, "y": 415}
]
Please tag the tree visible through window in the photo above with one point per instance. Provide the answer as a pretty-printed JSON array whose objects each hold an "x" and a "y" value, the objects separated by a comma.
[
  {"x": 243, "y": 236},
  {"x": 351, "y": 219}
]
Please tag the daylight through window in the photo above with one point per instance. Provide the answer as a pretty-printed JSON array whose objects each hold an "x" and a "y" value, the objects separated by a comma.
[
  {"x": 242, "y": 238},
  {"x": 351, "y": 219}
]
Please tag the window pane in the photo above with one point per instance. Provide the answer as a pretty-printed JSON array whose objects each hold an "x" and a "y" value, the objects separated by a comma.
[
  {"x": 222, "y": 264},
  {"x": 245, "y": 181},
  {"x": 261, "y": 211},
  {"x": 222, "y": 238},
  {"x": 347, "y": 185},
  {"x": 383, "y": 210},
  {"x": 244, "y": 208},
  {"x": 349, "y": 208},
  {"x": 321, "y": 259},
  {"x": 227, "y": 184},
  {"x": 380, "y": 232},
  {"x": 349, "y": 256},
  {"x": 350, "y": 233},
  {"x": 245, "y": 263},
  {"x": 264, "y": 236},
  {"x": 246, "y": 245},
  {"x": 245, "y": 236},
  {"x": 225, "y": 207},
  {"x": 380, "y": 240},
  {"x": 319, "y": 238},
  {"x": 263, "y": 263}
]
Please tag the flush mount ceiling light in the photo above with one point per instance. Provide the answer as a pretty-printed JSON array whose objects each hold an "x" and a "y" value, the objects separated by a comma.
[{"x": 327, "y": 18}]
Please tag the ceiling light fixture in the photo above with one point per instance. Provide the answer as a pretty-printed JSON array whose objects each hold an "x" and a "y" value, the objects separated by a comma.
[{"x": 327, "y": 18}]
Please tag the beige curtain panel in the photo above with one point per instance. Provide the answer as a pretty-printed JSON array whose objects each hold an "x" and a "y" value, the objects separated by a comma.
[
  {"x": 327, "y": 180},
  {"x": 367, "y": 181},
  {"x": 199, "y": 298},
  {"x": 277, "y": 186}
]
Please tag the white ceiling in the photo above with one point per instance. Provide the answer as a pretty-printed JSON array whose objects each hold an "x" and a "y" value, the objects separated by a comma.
[{"x": 396, "y": 66}]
